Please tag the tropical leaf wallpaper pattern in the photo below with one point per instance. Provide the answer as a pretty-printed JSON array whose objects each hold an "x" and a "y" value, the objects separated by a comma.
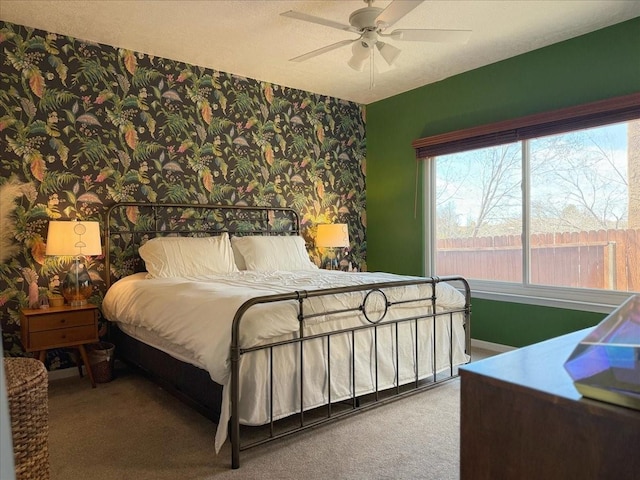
[{"x": 88, "y": 125}]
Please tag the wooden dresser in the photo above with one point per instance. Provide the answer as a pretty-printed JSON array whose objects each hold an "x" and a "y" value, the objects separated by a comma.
[{"x": 522, "y": 418}]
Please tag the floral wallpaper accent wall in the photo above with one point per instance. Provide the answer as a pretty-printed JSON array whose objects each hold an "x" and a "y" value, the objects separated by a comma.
[{"x": 87, "y": 125}]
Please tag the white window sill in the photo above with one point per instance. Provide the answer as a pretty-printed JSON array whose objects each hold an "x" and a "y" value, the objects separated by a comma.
[{"x": 556, "y": 297}]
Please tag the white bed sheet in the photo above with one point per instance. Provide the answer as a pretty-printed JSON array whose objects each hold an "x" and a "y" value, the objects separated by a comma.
[{"x": 196, "y": 315}]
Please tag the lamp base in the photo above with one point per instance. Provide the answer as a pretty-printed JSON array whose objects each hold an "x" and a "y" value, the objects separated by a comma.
[
  {"x": 77, "y": 286},
  {"x": 78, "y": 303},
  {"x": 333, "y": 259}
]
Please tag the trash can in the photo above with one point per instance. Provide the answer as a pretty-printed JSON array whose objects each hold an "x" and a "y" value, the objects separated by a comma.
[{"x": 101, "y": 360}]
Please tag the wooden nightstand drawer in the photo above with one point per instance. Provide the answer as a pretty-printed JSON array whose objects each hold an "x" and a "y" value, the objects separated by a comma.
[
  {"x": 53, "y": 321},
  {"x": 63, "y": 337},
  {"x": 59, "y": 327}
]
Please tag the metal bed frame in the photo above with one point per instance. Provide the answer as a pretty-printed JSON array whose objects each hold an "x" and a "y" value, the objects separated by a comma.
[{"x": 128, "y": 223}]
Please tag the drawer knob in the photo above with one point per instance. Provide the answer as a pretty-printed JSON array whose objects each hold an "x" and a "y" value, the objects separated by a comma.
[{"x": 63, "y": 320}]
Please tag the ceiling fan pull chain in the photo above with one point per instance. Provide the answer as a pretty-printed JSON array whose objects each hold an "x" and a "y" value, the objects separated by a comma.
[{"x": 371, "y": 70}]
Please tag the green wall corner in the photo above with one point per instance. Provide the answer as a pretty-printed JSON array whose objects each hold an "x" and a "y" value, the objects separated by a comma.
[{"x": 596, "y": 66}]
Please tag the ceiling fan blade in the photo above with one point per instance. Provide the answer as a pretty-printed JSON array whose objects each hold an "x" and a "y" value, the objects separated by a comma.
[
  {"x": 395, "y": 11},
  {"x": 436, "y": 36},
  {"x": 319, "y": 20},
  {"x": 322, "y": 50}
]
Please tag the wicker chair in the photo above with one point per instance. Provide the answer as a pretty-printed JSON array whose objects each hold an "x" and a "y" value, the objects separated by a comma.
[{"x": 27, "y": 392}]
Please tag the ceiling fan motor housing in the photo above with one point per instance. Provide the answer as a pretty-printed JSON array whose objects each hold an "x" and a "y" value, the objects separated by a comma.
[{"x": 365, "y": 18}]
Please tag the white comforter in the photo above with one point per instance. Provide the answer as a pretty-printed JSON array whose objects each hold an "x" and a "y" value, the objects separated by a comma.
[{"x": 197, "y": 314}]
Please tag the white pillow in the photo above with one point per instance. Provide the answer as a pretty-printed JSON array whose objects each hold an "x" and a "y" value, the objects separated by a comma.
[
  {"x": 271, "y": 253},
  {"x": 169, "y": 257},
  {"x": 237, "y": 256}
]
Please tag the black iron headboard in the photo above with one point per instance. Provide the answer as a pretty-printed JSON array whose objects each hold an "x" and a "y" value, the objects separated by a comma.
[{"x": 129, "y": 224}]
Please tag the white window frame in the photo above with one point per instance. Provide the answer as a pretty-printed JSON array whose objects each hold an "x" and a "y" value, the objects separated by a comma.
[{"x": 592, "y": 300}]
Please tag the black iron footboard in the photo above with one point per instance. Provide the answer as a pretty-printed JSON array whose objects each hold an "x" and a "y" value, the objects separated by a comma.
[{"x": 425, "y": 318}]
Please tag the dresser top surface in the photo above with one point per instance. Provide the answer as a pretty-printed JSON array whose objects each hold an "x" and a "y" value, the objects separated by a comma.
[{"x": 539, "y": 366}]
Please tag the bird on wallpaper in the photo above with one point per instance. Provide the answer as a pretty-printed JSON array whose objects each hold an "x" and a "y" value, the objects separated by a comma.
[
  {"x": 9, "y": 191},
  {"x": 31, "y": 278}
]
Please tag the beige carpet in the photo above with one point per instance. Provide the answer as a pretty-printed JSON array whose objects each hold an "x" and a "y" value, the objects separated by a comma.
[{"x": 131, "y": 429}]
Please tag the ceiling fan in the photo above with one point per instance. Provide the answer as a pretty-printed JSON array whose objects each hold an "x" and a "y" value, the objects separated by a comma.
[{"x": 371, "y": 23}]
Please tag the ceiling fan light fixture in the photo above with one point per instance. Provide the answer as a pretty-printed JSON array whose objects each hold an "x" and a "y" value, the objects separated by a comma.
[
  {"x": 360, "y": 56},
  {"x": 356, "y": 63},
  {"x": 388, "y": 52}
]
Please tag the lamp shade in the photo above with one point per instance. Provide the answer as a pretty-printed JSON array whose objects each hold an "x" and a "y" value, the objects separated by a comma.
[
  {"x": 335, "y": 235},
  {"x": 73, "y": 238},
  {"x": 360, "y": 56},
  {"x": 388, "y": 52}
]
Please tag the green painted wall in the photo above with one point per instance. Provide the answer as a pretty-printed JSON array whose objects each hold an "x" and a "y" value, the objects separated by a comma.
[
  {"x": 519, "y": 325},
  {"x": 602, "y": 64}
]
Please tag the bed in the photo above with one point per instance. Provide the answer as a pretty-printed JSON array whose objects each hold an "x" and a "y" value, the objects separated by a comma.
[{"x": 222, "y": 305}]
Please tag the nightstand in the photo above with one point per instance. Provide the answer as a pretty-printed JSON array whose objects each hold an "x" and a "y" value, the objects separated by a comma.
[{"x": 58, "y": 327}]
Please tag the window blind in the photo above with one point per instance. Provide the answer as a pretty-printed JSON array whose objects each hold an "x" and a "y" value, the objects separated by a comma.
[{"x": 603, "y": 112}]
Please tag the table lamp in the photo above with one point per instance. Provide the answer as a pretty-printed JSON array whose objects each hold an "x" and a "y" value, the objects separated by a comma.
[
  {"x": 76, "y": 239},
  {"x": 334, "y": 236}
]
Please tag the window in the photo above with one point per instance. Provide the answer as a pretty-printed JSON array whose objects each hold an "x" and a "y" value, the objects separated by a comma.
[
  {"x": 544, "y": 209},
  {"x": 478, "y": 221}
]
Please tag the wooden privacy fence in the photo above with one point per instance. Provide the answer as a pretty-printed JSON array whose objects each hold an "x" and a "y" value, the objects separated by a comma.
[{"x": 604, "y": 259}]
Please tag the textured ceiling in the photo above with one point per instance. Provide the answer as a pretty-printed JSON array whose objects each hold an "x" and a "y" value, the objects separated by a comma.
[{"x": 250, "y": 38}]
